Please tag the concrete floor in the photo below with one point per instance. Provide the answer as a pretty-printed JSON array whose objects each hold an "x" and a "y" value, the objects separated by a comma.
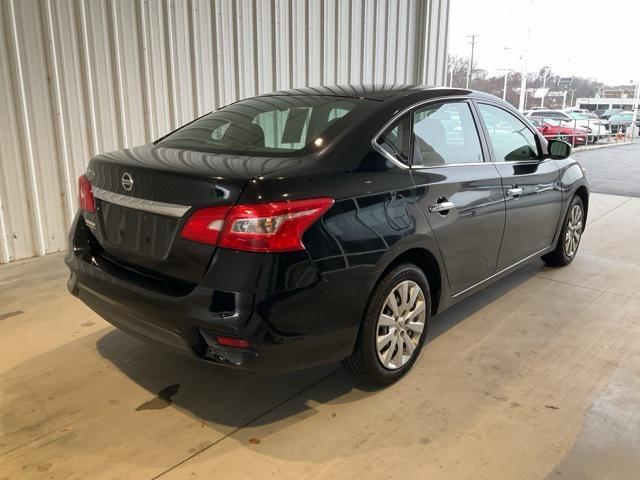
[{"x": 537, "y": 376}]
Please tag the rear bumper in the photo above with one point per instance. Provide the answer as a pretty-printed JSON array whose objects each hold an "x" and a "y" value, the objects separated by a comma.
[{"x": 292, "y": 315}]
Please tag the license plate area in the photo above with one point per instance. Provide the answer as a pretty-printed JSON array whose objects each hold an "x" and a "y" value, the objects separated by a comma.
[{"x": 136, "y": 231}]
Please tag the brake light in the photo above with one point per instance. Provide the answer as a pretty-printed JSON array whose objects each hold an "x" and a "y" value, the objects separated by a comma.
[
  {"x": 266, "y": 227},
  {"x": 85, "y": 195}
]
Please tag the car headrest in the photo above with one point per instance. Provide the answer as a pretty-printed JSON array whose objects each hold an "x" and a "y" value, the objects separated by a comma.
[{"x": 244, "y": 134}]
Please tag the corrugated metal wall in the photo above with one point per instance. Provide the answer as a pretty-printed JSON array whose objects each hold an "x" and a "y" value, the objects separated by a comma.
[{"x": 88, "y": 76}]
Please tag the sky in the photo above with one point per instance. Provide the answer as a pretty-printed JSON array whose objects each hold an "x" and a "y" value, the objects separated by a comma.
[{"x": 599, "y": 39}]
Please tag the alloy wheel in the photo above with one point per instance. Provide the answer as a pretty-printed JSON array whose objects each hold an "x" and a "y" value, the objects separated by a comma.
[
  {"x": 400, "y": 324},
  {"x": 574, "y": 231}
]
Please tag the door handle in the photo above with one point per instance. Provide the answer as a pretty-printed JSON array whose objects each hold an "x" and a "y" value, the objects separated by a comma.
[
  {"x": 441, "y": 206},
  {"x": 515, "y": 192}
]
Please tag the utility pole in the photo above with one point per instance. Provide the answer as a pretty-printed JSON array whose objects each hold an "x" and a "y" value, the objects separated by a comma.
[
  {"x": 523, "y": 81},
  {"x": 473, "y": 46},
  {"x": 506, "y": 74},
  {"x": 504, "y": 90},
  {"x": 544, "y": 85}
]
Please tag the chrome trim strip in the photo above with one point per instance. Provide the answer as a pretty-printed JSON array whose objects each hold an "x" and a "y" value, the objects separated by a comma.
[
  {"x": 151, "y": 206},
  {"x": 388, "y": 156},
  {"x": 469, "y": 164},
  {"x": 500, "y": 272}
]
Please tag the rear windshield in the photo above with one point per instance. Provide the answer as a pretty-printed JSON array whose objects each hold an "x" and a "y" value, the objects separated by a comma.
[{"x": 272, "y": 125}]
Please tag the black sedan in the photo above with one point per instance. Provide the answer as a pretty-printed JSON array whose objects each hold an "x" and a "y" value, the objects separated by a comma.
[{"x": 324, "y": 224}]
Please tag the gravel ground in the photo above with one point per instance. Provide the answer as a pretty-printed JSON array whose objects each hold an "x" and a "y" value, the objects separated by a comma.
[{"x": 613, "y": 170}]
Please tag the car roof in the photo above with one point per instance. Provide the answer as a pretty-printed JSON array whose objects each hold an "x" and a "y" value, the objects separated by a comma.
[{"x": 378, "y": 92}]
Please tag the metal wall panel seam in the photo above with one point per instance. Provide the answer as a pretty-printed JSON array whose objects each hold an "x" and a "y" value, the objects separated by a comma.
[
  {"x": 118, "y": 64},
  {"x": 171, "y": 67},
  {"x": 4, "y": 244},
  {"x": 95, "y": 145},
  {"x": 436, "y": 50},
  {"x": 215, "y": 57},
  {"x": 256, "y": 57},
  {"x": 425, "y": 40},
  {"x": 446, "y": 43},
  {"x": 349, "y": 39},
  {"x": 396, "y": 43},
  {"x": 196, "y": 68},
  {"x": 274, "y": 68},
  {"x": 28, "y": 139},
  {"x": 60, "y": 117},
  {"x": 234, "y": 40},
  {"x": 144, "y": 47}
]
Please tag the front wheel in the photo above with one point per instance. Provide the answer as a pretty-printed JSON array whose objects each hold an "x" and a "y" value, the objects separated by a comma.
[
  {"x": 570, "y": 236},
  {"x": 394, "y": 326}
]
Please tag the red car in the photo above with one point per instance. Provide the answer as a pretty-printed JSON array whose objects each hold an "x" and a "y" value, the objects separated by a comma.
[{"x": 559, "y": 130}]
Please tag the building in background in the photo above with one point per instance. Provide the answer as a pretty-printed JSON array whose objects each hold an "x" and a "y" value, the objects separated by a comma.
[
  {"x": 79, "y": 78},
  {"x": 622, "y": 98}
]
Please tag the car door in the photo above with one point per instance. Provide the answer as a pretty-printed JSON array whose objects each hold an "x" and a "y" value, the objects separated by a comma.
[
  {"x": 459, "y": 192},
  {"x": 531, "y": 185}
]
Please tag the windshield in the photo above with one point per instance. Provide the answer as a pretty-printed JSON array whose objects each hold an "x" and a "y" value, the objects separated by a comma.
[{"x": 269, "y": 125}]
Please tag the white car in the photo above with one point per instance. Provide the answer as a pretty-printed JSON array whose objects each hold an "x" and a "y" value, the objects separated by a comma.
[{"x": 597, "y": 128}]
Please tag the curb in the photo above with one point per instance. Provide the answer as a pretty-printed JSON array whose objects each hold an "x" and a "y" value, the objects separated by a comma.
[{"x": 608, "y": 145}]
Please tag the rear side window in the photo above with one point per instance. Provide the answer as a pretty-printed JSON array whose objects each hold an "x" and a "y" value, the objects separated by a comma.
[
  {"x": 267, "y": 125},
  {"x": 511, "y": 139},
  {"x": 445, "y": 134},
  {"x": 396, "y": 140}
]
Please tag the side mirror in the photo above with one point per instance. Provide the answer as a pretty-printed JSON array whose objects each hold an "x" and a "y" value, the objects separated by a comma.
[{"x": 558, "y": 150}]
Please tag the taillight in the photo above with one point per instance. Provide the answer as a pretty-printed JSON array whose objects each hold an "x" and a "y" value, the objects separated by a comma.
[
  {"x": 205, "y": 225},
  {"x": 266, "y": 227},
  {"x": 85, "y": 195}
]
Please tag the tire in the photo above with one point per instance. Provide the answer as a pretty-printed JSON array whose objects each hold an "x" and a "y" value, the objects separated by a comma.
[
  {"x": 384, "y": 366},
  {"x": 565, "y": 251}
]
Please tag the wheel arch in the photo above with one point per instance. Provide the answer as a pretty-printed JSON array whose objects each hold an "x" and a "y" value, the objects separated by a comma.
[
  {"x": 583, "y": 193},
  {"x": 429, "y": 265}
]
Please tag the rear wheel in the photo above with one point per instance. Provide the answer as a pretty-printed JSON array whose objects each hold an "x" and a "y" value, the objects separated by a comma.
[
  {"x": 570, "y": 236},
  {"x": 394, "y": 326}
]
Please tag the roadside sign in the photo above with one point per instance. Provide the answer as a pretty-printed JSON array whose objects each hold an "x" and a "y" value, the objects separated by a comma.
[{"x": 564, "y": 81}]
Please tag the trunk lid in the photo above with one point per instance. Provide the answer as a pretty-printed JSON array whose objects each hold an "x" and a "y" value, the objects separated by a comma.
[{"x": 145, "y": 194}]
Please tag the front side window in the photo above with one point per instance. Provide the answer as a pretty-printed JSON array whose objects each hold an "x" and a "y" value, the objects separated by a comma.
[
  {"x": 396, "y": 140},
  {"x": 263, "y": 125},
  {"x": 511, "y": 139},
  {"x": 445, "y": 134}
]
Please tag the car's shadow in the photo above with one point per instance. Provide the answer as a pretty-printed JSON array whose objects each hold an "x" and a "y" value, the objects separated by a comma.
[{"x": 225, "y": 397}]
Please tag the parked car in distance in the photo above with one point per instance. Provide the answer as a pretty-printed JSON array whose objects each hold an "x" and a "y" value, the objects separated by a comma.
[
  {"x": 597, "y": 128},
  {"x": 609, "y": 112},
  {"x": 577, "y": 110},
  {"x": 621, "y": 121},
  {"x": 560, "y": 130},
  {"x": 315, "y": 225},
  {"x": 546, "y": 113}
]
